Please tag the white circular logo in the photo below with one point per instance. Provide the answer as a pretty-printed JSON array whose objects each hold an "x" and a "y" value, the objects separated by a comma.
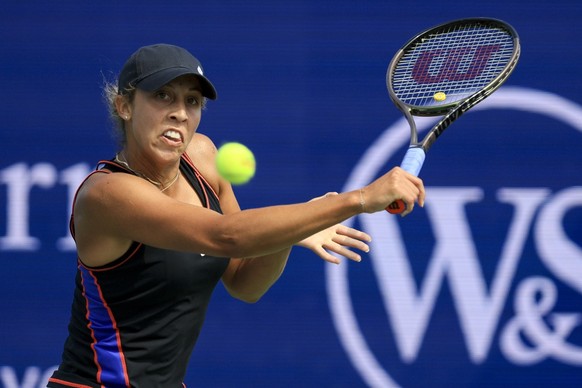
[{"x": 373, "y": 160}]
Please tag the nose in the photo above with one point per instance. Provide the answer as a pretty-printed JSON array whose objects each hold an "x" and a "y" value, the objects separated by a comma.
[{"x": 179, "y": 112}]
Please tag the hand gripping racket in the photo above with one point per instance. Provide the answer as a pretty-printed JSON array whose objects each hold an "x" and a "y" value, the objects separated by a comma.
[{"x": 445, "y": 71}]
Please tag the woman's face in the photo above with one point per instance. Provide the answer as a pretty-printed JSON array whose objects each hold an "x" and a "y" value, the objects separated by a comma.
[{"x": 163, "y": 122}]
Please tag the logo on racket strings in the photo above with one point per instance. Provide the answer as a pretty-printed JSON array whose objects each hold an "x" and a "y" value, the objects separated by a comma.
[{"x": 455, "y": 64}]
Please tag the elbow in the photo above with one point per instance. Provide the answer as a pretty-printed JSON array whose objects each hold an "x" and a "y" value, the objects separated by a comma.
[
  {"x": 234, "y": 244},
  {"x": 250, "y": 298},
  {"x": 245, "y": 292}
]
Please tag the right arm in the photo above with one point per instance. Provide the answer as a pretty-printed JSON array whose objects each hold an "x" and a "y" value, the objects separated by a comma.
[{"x": 115, "y": 209}]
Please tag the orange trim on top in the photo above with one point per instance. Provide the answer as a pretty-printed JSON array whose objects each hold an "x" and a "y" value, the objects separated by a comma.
[
  {"x": 93, "y": 339},
  {"x": 68, "y": 383},
  {"x": 200, "y": 177},
  {"x": 100, "y": 269}
]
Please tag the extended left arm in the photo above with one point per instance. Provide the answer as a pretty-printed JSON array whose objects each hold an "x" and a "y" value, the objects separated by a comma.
[{"x": 249, "y": 279}]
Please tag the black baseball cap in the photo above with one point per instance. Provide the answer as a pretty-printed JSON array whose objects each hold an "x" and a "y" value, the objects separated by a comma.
[{"x": 152, "y": 67}]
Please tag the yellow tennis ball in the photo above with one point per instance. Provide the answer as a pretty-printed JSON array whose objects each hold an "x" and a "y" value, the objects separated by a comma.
[
  {"x": 235, "y": 163},
  {"x": 439, "y": 96}
]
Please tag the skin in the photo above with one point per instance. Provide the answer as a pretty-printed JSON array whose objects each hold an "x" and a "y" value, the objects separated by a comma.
[{"x": 112, "y": 210}]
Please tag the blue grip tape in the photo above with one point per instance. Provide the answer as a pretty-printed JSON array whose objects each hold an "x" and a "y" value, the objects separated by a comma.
[{"x": 413, "y": 160}]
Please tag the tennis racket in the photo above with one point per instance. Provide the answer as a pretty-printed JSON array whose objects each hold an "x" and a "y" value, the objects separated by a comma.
[{"x": 445, "y": 71}]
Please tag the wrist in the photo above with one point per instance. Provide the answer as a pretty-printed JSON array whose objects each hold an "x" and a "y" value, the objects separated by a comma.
[{"x": 362, "y": 200}]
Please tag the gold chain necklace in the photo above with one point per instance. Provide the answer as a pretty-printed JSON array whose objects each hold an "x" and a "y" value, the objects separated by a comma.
[{"x": 143, "y": 176}]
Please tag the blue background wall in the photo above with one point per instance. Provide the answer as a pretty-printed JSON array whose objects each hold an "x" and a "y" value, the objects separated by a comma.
[{"x": 302, "y": 84}]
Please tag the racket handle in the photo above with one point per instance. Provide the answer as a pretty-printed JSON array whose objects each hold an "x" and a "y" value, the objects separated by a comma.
[{"x": 412, "y": 163}]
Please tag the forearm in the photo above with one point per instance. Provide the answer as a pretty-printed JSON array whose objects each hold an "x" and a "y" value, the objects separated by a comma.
[
  {"x": 261, "y": 232},
  {"x": 249, "y": 279}
]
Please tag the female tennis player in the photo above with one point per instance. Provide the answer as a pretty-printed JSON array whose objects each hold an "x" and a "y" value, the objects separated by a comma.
[{"x": 156, "y": 228}]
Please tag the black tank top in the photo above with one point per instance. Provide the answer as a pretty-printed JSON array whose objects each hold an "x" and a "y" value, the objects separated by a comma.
[{"x": 135, "y": 321}]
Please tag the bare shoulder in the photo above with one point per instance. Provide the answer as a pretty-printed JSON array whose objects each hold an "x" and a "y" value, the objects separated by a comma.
[
  {"x": 104, "y": 204},
  {"x": 202, "y": 148},
  {"x": 202, "y": 151},
  {"x": 101, "y": 189},
  {"x": 109, "y": 197}
]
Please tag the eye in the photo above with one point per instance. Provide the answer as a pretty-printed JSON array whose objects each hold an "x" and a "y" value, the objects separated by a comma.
[
  {"x": 193, "y": 100},
  {"x": 162, "y": 95}
]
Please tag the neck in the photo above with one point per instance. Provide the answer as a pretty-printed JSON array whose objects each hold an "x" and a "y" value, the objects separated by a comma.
[{"x": 121, "y": 159}]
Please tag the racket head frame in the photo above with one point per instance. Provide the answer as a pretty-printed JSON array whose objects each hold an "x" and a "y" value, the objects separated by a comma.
[{"x": 452, "y": 110}]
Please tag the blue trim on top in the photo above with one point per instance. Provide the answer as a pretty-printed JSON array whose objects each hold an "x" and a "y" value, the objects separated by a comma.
[{"x": 101, "y": 324}]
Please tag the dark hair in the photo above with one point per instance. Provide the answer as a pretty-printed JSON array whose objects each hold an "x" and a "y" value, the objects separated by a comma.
[{"x": 110, "y": 95}]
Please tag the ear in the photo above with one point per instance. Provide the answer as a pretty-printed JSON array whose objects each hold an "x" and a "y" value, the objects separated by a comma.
[{"x": 123, "y": 107}]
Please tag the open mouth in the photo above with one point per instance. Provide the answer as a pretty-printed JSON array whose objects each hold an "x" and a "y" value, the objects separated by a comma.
[{"x": 173, "y": 136}]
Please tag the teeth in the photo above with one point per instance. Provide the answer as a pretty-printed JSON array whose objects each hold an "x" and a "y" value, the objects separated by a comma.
[{"x": 172, "y": 135}]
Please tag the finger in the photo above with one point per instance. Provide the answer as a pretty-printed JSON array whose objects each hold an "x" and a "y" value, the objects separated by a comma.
[
  {"x": 410, "y": 201},
  {"x": 422, "y": 196},
  {"x": 353, "y": 233},
  {"x": 408, "y": 210},
  {"x": 327, "y": 256},
  {"x": 351, "y": 242},
  {"x": 418, "y": 189},
  {"x": 414, "y": 194},
  {"x": 340, "y": 250}
]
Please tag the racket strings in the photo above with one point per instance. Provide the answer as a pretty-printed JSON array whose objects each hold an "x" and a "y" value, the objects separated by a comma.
[{"x": 458, "y": 61}]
